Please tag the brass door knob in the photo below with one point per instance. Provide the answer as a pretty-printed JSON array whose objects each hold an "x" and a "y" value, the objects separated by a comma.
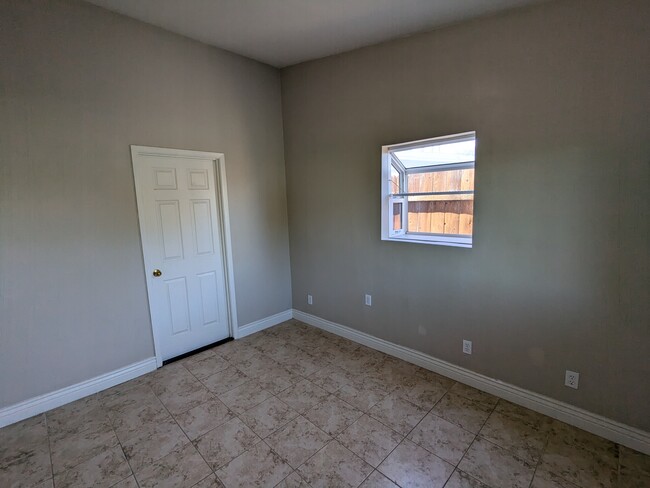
[{"x": 157, "y": 273}]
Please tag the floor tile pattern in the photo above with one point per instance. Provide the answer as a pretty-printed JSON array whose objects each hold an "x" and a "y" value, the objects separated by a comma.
[{"x": 295, "y": 407}]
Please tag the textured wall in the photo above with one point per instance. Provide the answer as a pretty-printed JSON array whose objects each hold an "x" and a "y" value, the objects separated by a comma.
[
  {"x": 78, "y": 85},
  {"x": 558, "y": 275}
]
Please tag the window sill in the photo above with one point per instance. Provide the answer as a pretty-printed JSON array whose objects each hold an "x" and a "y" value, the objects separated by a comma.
[{"x": 452, "y": 242}]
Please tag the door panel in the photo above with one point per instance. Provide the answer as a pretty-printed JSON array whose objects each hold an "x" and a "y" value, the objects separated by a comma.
[
  {"x": 202, "y": 226},
  {"x": 179, "y": 307},
  {"x": 208, "y": 287},
  {"x": 181, "y": 237},
  {"x": 170, "y": 229}
]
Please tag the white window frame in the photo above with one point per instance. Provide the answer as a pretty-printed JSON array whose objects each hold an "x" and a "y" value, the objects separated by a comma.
[{"x": 387, "y": 198}]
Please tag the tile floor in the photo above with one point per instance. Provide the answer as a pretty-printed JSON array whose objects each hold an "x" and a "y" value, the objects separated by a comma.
[{"x": 293, "y": 406}]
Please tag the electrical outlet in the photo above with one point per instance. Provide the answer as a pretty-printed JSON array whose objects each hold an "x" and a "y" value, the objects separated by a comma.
[
  {"x": 571, "y": 379},
  {"x": 369, "y": 300},
  {"x": 467, "y": 347},
  {"x": 310, "y": 300}
]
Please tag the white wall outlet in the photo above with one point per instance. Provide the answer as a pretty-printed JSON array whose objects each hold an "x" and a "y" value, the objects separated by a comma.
[
  {"x": 310, "y": 300},
  {"x": 571, "y": 379},
  {"x": 467, "y": 347},
  {"x": 369, "y": 300}
]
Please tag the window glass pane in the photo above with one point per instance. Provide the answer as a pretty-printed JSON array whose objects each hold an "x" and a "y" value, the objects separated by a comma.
[
  {"x": 439, "y": 153},
  {"x": 435, "y": 181},
  {"x": 397, "y": 216},
  {"x": 441, "y": 214},
  {"x": 394, "y": 180}
]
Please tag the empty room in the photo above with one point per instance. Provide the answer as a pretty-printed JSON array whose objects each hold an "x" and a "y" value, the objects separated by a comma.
[{"x": 325, "y": 243}]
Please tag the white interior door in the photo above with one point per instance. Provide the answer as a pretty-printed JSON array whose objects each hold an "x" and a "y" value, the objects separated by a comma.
[{"x": 181, "y": 232}]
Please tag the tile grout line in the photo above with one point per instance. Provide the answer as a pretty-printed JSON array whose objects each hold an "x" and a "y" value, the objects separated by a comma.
[{"x": 49, "y": 445}]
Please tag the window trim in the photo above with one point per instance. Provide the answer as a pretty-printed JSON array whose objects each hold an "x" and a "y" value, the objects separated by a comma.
[{"x": 388, "y": 160}]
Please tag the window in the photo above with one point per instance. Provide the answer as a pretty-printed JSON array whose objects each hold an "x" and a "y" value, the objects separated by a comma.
[{"x": 428, "y": 190}]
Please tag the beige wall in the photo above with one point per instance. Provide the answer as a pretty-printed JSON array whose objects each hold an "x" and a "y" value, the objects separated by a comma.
[
  {"x": 78, "y": 85},
  {"x": 558, "y": 276}
]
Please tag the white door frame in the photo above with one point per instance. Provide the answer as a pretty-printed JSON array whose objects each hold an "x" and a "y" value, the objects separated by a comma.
[{"x": 224, "y": 223}]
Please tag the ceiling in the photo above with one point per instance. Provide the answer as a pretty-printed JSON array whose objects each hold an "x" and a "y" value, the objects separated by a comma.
[{"x": 286, "y": 32}]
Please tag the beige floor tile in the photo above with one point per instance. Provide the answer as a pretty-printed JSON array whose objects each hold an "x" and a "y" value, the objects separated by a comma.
[
  {"x": 245, "y": 396},
  {"x": 563, "y": 436},
  {"x": 23, "y": 435},
  {"x": 334, "y": 465},
  {"x": 333, "y": 415},
  {"x": 629, "y": 480},
  {"x": 432, "y": 377},
  {"x": 128, "y": 424},
  {"x": 224, "y": 443},
  {"x": 576, "y": 465},
  {"x": 119, "y": 390},
  {"x": 26, "y": 467},
  {"x": 634, "y": 469},
  {"x": 332, "y": 378},
  {"x": 467, "y": 414},
  {"x": 516, "y": 436},
  {"x": 298, "y": 441},
  {"x": 423, "y": 393},
  {"x": 73, "y": 449},
  {"x": 268, "y": 416},
  {"x": 153, "y": 442},
  {"x": 210, "y": 482},
  {"x": 257, "y": 467},
  {"x": 203, "y": 418},
  {"x": 278, "y": 379},
  {"x": 187, "y": 395},
  {"x": 495, "y": 466},
  {"x": 50, "y": 484},
  {"x": 87, "y": 414},
  {"x": 182, "y": 468},
  {"x": 524, "y": 415},
  {"x": 397, "y": 413},
  {"x": 284, "y": 353},
  {"x": 303, "y": 395},
  {"x": 235, "y": 351},
  {"x": 306, "y": 365},
  {"x": 369, "y": 439},
  {"x": 169, "y": 377},
  {"x": 409, "y": 465},
  {"x": 363, "y": 393},
  {"x": 633, "y": 461},
  {"x": 377, "y": 480},
  {"x": 225, "y": 380},
  {"x": 200, "y": 356},
  {"x": 474, "y": 394},
  {"x": 442, "y": 438},
  {"x": 129, "y": 482},
  {"x": 131, "y": 400},
  {"x": 293, "y": 481},
  {"x": 206, "y": 366},
  {"x": 460, "y": 479},
  {"x": 256, "y": 365},
  {"x": 549, "y": 480},
  {"x": 102, "y": 470}
]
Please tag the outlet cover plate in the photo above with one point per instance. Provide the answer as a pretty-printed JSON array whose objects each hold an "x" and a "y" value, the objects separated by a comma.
[
  {"x": 571, "y": 379},
  {"x": 467, "y": 347}
]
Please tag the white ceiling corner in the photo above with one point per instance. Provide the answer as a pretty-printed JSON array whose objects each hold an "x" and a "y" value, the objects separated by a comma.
[{"x": 286, "y": 32}]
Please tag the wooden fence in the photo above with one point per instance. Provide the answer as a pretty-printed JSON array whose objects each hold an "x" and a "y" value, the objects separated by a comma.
[{"x": 441, "y": 214}]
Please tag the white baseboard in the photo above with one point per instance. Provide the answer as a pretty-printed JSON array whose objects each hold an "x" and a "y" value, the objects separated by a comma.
[
  {"x": 264, "y": 323},
  {"x": 34, "y": 406},
  {"x": 596, "y": 424}
]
